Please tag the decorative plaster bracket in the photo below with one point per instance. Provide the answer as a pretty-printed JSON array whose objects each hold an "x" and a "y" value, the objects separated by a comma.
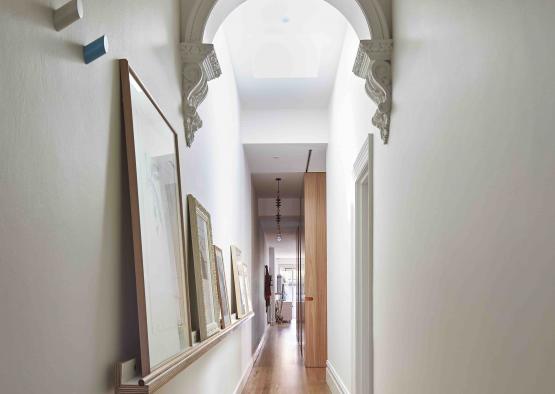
[
  {"x": 373, "y": 63},
  {"x": 200, "y": 65}
]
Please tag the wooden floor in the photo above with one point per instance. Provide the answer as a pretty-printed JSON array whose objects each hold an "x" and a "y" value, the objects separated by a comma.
[{"x": 280, "y": 369}]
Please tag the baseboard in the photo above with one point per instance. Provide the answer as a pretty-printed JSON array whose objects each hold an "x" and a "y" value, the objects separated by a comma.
[
  {"x": 245, "y": 378},
  {"x": 333, "y": 380}
]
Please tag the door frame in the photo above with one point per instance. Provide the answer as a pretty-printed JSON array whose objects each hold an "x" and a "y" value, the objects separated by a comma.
[{"x": 363, "y": 349}]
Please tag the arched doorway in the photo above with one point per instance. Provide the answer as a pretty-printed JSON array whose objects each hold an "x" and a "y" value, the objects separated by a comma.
[
  {"x": 201, "y": 19},
  {"x": 371, "y": 63}
]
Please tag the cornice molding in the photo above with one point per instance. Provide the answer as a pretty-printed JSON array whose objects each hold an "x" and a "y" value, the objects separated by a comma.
[
  {"x": 199, "y": 65},
  {"x": 373, "y": 64}
]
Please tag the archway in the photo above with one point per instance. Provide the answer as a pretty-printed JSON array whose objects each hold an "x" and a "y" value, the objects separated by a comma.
[
  {"x": 201, "y": 19},
  {"x": 366, "y": 27}
]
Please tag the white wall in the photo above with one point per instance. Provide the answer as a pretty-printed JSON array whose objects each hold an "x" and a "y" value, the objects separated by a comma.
[
  {"x": 218, "y": 175},
  {"x": 66, "y": 278},
  {"x": 284, "y": 126},
  {"x": 464, "y": 213},
  {"x": 350, "y": 122},
  {"x": 260, "y": 251}
]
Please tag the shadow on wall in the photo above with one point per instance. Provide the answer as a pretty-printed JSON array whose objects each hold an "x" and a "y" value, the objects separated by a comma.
[{"x": 119, "y": 238}]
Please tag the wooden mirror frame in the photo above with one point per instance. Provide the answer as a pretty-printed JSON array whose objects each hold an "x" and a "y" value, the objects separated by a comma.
[{"x": 126, "y": 73}]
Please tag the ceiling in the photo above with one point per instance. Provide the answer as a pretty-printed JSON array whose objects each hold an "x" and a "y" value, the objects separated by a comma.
[
  {"x": 285, "y": 53},
  {"x": 275, "y": 158},
  {"x": 286, "y": 161},
  {"x": 290, "y": 186}
]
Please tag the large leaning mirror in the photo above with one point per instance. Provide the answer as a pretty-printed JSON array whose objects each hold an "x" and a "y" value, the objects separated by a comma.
[{"x": 157, "y": 225}]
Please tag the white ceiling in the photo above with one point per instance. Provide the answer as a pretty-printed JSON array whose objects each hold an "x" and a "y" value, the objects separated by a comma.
[
  {"x": 287, "y": 161},
  {"x": 290, "y": 186},
  {"x": 285, "y": 53},
  {"x": 277, "y": 158}
]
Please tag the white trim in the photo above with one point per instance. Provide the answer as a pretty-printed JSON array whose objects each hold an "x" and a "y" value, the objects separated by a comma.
[
  {"x": 362, "y": 332},
  {"x": 200, "y": 19},
  {"x": 333, "y": 380},
  {"x": 245, "y": 378},
  {"x": 361, "y": 162}
]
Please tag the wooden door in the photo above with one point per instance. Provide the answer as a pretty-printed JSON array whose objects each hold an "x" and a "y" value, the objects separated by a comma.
[
  {"x": 300, "y": 277},
  {"x": 315, "y": 268}
]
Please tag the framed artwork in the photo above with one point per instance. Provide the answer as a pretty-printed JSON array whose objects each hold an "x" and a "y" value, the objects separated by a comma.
[
  {"x": 205, "y": 271},
  {"x": 247, "y": 288},
  {"x": 241, "y": 283},
  {"x": 157, "y": 225},
  {"x": 222, "y": 287}
]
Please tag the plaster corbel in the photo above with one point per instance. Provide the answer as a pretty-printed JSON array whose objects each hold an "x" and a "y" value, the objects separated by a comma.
[
  {"x": 373, "y": 63},
  {"x": 199, "y": 65}
]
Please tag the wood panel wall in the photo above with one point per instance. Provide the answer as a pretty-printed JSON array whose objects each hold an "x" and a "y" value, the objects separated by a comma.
[{"x": 316, "y": 348}]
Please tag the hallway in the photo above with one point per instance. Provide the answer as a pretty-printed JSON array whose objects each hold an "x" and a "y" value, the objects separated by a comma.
[
  {"x": 280, "y": 369},
  {"x": 178, "y": 176}
]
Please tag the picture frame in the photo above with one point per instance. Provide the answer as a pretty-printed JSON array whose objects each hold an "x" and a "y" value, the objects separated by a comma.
[
  {"x": 222, "y": 288},
  {"x": 247, "y": 288},
  {"x": 157, "y": 222},
  {"x": 241, "y": 283},
  {"x": 204, "y": 270}
]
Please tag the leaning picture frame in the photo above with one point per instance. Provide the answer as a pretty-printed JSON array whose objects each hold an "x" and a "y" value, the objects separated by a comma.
[
  {"x": 247, "y": 288},
  {"x": 241, "y": 283},
  {"x": 157, "y": 222},
  {"x": 236, "y": 270},
  {"x": 204, "y": 270},
  {"x": 222, "y": 288}
]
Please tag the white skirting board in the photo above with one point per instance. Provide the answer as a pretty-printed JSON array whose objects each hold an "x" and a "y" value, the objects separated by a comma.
[
  {"x": 333, "y": 380},
  {"x": 245, "y": 378}
]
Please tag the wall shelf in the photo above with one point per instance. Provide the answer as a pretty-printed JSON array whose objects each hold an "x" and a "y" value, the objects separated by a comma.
[{"x": 126, "y": 383}]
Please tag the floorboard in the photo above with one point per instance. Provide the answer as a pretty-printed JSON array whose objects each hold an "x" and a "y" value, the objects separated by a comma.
[{"x": 280, "y": 369}]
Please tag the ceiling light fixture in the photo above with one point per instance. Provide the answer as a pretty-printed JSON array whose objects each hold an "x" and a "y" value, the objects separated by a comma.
[{"x": 278, "y": 215}]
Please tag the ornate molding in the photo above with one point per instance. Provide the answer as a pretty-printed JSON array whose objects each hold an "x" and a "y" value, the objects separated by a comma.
[
  {"x": 200, "y": 20},
  {"x": 373, "y": 63},
  {"x": 199, "y": 65}
]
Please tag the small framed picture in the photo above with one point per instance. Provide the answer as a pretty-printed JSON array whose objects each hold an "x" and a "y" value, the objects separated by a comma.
[
  {"x": 241, "y": 283},
  {"x": 222, "y": 287},
  {"x": 204, "y": 269}
]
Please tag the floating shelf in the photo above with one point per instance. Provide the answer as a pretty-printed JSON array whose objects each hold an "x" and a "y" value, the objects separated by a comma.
[
  {"x": 67, "y": 14},
  {"x": 126, "y": 383},
  {"x": 95, "y": 49}
]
